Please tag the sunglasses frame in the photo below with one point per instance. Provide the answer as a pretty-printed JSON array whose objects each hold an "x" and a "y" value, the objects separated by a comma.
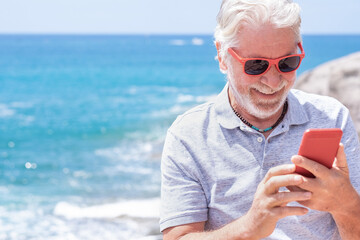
[{"x": 272, "y": 61}]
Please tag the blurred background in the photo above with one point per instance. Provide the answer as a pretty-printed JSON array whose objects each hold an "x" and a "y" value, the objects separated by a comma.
[{"x": 87, "y": 92}]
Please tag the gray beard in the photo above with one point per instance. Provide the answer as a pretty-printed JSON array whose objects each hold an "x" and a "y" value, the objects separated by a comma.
[{"x": 249, "y": 106}]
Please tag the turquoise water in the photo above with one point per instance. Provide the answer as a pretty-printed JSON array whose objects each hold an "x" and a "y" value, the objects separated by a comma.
[{"x": 82, "y": 123}]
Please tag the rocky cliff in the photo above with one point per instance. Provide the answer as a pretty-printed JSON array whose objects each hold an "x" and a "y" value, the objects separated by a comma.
[{"x": 340, "y": 79}]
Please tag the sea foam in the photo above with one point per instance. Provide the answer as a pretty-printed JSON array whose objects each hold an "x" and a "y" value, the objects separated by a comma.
[
  {"x": 177, "y": 42},
  {"x": 197, "y": 41},
  {"x": 148, "y": 208},
  {"x": 5, "y": 111}
]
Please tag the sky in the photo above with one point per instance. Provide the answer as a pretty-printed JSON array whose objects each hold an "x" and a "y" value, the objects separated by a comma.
[{"x": 156, "y": 16}]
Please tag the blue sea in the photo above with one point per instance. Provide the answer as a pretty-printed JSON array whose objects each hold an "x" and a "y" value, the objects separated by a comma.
[{"x": 83, "y": 120}]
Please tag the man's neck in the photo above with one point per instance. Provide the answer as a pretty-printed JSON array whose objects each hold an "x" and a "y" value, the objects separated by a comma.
[{"x": 261, "y": 123}]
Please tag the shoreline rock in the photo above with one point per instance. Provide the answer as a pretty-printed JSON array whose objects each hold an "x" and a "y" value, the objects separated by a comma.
[{"x": 339, "y": 78}]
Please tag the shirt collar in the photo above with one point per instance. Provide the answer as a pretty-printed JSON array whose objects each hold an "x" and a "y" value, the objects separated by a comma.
[
  {"x": 296, "y": 114},
  {"x": 225, "y": 115}
]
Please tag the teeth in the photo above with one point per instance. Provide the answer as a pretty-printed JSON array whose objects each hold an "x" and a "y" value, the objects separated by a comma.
[
  {"x": 267, "y": 93},
  {"x": 267, "y": 90}
]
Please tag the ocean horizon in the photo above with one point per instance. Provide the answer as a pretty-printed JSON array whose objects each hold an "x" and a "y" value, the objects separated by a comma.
[{"x": 83, "y": 120}]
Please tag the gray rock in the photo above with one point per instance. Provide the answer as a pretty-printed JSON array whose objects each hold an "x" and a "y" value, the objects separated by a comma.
[{"x": 340, "y": 79}]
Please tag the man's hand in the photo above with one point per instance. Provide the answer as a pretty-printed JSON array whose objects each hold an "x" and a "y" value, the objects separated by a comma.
[
  {"x": 270, "y": 205},
  {"x": 332, "y": 192},
  {"x": 332, "y": 189}
]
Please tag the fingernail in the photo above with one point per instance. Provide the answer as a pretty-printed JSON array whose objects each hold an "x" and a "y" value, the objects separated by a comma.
[
  {"x": 296, "y": 159},
  {"x": 297, "y": 178},
  {"x": 305, "y": 210},
  {"x": 291, "y": 167}
]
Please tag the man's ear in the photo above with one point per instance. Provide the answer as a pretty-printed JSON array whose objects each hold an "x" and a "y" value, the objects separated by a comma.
[{"x": 222, "y": 64}]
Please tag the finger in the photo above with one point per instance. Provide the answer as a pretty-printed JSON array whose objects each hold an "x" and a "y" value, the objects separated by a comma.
[
  {"x": 295, "y": 189},
  {"x": 279, "y": 170},
  {"x": 315, "y": 168},
  {"x": 283, "y": 198},
  {"x": 340, "y": 160},
  {"x": 276, "y": 182},
  {"x": 286, "y": 211},
  {"x": 310, "y": 184}
]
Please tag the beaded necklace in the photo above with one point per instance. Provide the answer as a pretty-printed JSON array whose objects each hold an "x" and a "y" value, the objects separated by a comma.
[{"x": 266, "y": 129}]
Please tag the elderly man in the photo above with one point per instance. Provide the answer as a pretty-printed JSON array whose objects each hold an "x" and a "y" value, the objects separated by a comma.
[{"x": 228, "y": 166}]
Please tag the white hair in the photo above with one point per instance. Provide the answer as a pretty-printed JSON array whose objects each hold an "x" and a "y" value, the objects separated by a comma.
[{"x": 235, "y": 14}]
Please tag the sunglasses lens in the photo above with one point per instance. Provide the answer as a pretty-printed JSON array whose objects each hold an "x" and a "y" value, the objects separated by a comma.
[
  {"x": 289, "y": 64},
  {"x": 256, "y": 67}
]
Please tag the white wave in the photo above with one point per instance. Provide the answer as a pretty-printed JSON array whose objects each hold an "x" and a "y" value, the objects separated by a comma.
[
  {"x": 179, "y": 109},
  {"x": 5, "y": 111},
  {"x": 150, "y": 89},
  {"x": 82, "y": 174},
  {"x": 202, "y": 99},
  {"x": 121, "y": 100},
  {"x": 25, "y": 120},
  {"x": 198, "y": 99},
  {"x": 148, "y": 147},
  {"x": 110, "y": 153},
  {"x": 143, "y": 209},
  {"x": 184, "y": 103},
  {"x": 136, "y": 170},
  {"x": 137, "y": 148},
  {"x": 174, "y": 110},
  {"x": 167, "y": 89},
  {"x": 133, "y": 90},
  {"x": 21, "y": 105},
  {"x": 197, "y": 41},
  {"x": 3, "y": 190},
  {"x": 177, "y": 42},
  {"x": 185, "y": 98},
  {"x": 126, "y": 153},
  {"x": 35, "y": 223}
]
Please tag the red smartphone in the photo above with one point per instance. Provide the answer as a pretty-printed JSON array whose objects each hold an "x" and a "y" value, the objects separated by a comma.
[{"x": 320, "y": 145}]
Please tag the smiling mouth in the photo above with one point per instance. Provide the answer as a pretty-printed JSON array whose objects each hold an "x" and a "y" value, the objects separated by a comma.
[{"x": 272, "y": 93}]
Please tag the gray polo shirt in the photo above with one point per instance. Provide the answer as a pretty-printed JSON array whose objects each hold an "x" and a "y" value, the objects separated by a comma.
[{"x": 212, "y": 163}]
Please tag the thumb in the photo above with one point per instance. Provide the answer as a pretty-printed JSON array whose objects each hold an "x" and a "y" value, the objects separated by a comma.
[{"x": 340, "y": 160}]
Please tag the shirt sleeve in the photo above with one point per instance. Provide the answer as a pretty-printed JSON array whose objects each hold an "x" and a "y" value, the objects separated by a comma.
[
  {"x": 183, "y": 200},
  {"x": 352, "y": 150}
]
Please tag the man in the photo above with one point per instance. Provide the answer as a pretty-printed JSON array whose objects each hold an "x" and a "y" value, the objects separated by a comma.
[{"x": 228, "y": 165}]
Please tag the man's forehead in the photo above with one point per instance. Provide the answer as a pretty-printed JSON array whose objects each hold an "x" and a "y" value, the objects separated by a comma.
[{"x": 265, "y": 41}]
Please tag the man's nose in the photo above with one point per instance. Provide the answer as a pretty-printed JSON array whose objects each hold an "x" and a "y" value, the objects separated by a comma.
[{"x": 272, "y": 78}]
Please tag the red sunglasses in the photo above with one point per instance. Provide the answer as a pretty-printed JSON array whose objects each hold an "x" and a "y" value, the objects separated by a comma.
[{"x": 259, "y": 66}]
